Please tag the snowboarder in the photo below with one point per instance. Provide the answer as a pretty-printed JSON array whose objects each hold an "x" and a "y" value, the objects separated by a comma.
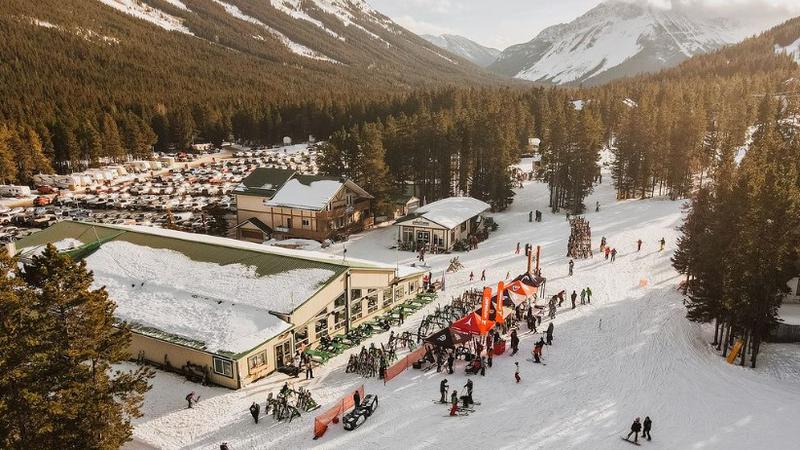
[
  {"x": 588, "y": 295},
  {"x": 454, "y": 402},
  {"x": 549, "y": 333},
  {"x": 636, "y": 427},
  {"x": 356, "y": 399},
  {"x": 255, "y": 408},
  {"x": 613, "y": 254},
  {"x": 646, "y": 427},
  {"x": 571, "y": 266},
  {"x": 639, "y": 245},
  {"x": 514, "y": 342},
  {"x": 516, "y": 372},
  {"x": 443, "y": 391},
  {"x": 537, "y": 351},
  {"x": 663, "y": 243},
  {"x": 471, "y": 276},
  {"x": 450, "y": 359},
  {"x": 573, "y": 297},
  {"x": 583, "y": 296},
  {"x": 516, "y": 252},
  {"x": 483, "y": 275},
  {"x": 192, "y": 398}
]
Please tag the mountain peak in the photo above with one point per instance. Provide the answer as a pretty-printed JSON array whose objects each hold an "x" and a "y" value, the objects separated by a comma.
[{"x": 464, "y": 47}]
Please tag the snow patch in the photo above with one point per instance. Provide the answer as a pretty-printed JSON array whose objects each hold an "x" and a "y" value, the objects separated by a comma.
[
  {"x": 792, "y": 50},
  {"x": 148, "y": 13},
  {"x": 294, "y": 9},
  {"x": 178, "y": 4}
]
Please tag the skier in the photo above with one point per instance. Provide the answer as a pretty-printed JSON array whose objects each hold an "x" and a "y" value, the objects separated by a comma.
[
  {"x": 192, "y": 398},
  {"x": 549, "y": 333},
  {"x": 589, "y": 295},
  {"x": 471, "y": 276},
  {"x": 552, "y": 306},
  {"x": 583, "y": 296},
  {"x": 356, "y": 399},
  {"x": 613, "y": 254},
  {"x": 607, "y": 252},
  {"x": 639, "y": 245},
  {"x": 663, "y": 243},
  {"x": 468, "y": 386},
  {"x": 571, "y": 266},
  {"x": 597, "y": 206},
  {"x": 530, "y": 216},
  {"x": 516, "y": 252},
  {"x": 514, "y": 342},
  {"x": 602, "y": 243},
  {"x": 454, "y": 401},
  {"x": 573, "y": 297},
  {"x": 254, "y": 410},
  {"x": 483, "y": 275},
  {"x": 516, "y": 372},
  {"x": 646, "y": 428},
  {"x": 561, "y": 295},
  {"x": 537, "y": 351},
  {"x": 443, "y": 391},
  {"x": 636, "y": 427}
]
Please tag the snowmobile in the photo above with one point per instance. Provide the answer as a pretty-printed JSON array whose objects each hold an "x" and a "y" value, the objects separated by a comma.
[{"x": 359, "y": 415}]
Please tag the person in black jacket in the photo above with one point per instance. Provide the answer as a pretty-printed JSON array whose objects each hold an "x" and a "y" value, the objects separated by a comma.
[
  {"x": 443, "y": 391},
  {"x": 514, "y": 342},
  {"x": 356, "y": 399},
  {"x": 550, "y": 334},
  {"x": 255, "y": 408},
  {"x": 646, "y": 428},
  {"x": 450, "y": 359},
  {"x": 636, "y": 427}
]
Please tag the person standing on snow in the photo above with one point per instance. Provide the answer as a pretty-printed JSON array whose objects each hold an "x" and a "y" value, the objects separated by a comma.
[
  {"x": 573, "y": 297},
  {"x": 602, "y": 243},
  {"x": 254, "y": 410},
  {"x": 549, "y": 334},
  {"x": 471, "y": 276},
  {"x": 450, "y": 359},
  {"x": 646, "y": 429},
  {"x": 636, "y": 427},
  {"x": 571, "y": 266},
  {"x": 639, "y": 245},
  {"x": 443, "y": 390},
  {"x": 613, "y": 254},
  {"x": 192, "y": 398},
  {"x": 468, "y": 387},
  {"x": 597, "y": 206},
  {"x": 588, "y": 295},
  {"x": 514, "y": 342},
  {"x": 483, "y": 275},
  {"x": 516, "y": 252},
  {"x": 356, "y": 399},
  {"x": 552, "y": 306},
  {"x": 663, "y": 243},
  {"x": 454, "y": 403},
  {"x": 583, "y": 296},
  {"x": 401, "y": 316},
  {"x": 537, "y": 351},
  {"x": 607, "y": 252},
  {"x": 516, "y": 372}
]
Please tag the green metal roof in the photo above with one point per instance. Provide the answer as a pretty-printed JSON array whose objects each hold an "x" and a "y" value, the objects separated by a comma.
[{"x": 264, "y": 181}]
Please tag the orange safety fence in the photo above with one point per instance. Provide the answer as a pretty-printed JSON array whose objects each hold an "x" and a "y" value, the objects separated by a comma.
[
  {"x": 322, "y": 420},
  {"x": 400, "y": 366}
]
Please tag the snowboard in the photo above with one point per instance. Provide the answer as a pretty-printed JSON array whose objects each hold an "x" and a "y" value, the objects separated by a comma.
[{"x": 630, "y": 442}]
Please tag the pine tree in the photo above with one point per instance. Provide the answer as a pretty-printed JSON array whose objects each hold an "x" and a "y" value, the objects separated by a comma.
[{"x": 8, "y": 167}]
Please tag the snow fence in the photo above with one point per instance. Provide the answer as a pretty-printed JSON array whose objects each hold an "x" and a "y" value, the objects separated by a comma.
[
  {"x": 321, "y": 421},
  {"x": 400, "y": 366}
]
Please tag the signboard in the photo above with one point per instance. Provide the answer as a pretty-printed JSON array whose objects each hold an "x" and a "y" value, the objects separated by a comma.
[
  {"x": 737, "y": 347},
  {"x": 421, "y": 223}
]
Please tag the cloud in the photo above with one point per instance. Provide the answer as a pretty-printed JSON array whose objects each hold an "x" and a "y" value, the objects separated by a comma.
[{"x": 421, "y": 26}]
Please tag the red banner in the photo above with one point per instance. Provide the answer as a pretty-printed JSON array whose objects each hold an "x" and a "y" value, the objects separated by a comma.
[
  {"x": 322, "y": 420},
  {"x": 499, "y": 313},
  {"x": 486, "y": 304},
  {"x": 404, "y": 363}
]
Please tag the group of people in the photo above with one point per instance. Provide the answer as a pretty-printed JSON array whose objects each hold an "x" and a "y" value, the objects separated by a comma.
[
  {"x": 535, "y": 216},
  {"x": 466, "y": 396},
  {"x": 639, "y": 426}
]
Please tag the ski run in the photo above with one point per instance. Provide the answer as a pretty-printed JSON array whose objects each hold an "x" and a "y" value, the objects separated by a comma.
[{"x": 631, "y": 353}]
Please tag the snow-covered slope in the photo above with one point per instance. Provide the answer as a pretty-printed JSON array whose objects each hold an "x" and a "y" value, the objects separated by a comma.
[
  {"x": 616, "y": 39},
  {"x": 630, "y": 353},
  {"x": 465, "y": 48},
  {"x": 153, "y": 15},
  {"x": 792, "y": 50}
]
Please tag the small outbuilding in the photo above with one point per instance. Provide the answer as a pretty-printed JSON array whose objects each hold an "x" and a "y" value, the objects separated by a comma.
[{"x": 438, "y": 226}]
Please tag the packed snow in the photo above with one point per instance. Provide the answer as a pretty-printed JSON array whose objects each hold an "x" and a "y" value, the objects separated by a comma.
[
  {"x": 790, "y": 313},
  {"x": 792, "y": 50},
  {"x": 630, "y": 353},
  {"x": 226, "y": 307},
  {"x": 62, "y": 245},
  {"x": 178, "y": 4},
  {"x": 294, "y": 8},
  {"x": 294, "y": 47},
  {"x": 143, "y": 11},
  {"x": 315, "y": 195}
]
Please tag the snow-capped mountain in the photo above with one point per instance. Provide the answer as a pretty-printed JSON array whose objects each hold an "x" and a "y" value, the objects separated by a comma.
[
  {"x": 616, "y": 39},
  {"x": 465, "y": 48}
]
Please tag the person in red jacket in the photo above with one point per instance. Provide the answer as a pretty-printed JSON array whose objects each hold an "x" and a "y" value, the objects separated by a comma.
[{"x": 537, "y": 351}]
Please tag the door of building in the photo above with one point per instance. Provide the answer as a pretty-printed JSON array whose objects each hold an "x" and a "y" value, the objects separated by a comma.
[
  {"x": 283, "y": 354},
  {"x": 423, "y": 238}
]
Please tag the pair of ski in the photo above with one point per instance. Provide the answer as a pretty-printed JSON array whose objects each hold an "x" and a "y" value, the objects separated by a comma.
[
  {"x": 447, "y": 403},
  {"x": 630, "y": 442}
]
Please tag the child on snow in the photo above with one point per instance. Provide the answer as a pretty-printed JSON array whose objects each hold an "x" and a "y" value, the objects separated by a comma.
[{"x": 516, "y": 372}]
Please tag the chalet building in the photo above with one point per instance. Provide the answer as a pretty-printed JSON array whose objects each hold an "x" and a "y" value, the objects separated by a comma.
[
  {"x": 284, "y": 204},
  {"x": 438, "y": 226},
  {"x": 220, "y": 310}
]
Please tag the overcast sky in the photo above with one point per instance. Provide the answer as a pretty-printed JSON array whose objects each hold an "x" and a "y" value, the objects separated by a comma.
[{"x": 500, "y": 23}]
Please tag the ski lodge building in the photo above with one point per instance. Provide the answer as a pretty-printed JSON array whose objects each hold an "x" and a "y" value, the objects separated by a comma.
[
  {"x": 221, "y": 310},
  {"x": 282, "y": 203},
  {"x": 439, "y": 225}
]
